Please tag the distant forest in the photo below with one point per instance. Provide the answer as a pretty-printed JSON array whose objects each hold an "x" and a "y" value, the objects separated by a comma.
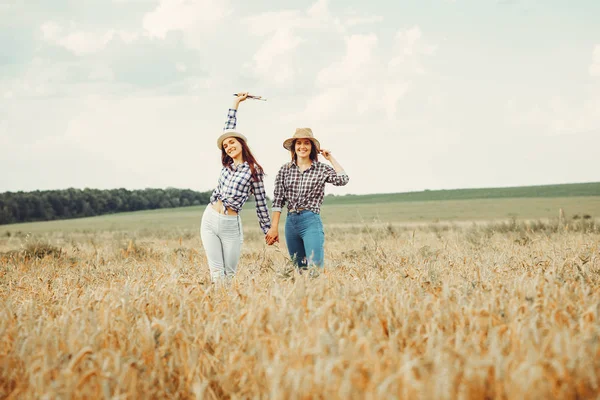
[{"x": 76, "y": 203}]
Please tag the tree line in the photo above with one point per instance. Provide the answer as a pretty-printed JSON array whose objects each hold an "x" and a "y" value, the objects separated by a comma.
[{"x": 75, "y": 203}]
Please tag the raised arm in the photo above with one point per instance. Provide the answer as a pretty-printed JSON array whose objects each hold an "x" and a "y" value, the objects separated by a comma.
[
  {"x": 231, "y": 121},
  {"x": 338, "y": 176}
]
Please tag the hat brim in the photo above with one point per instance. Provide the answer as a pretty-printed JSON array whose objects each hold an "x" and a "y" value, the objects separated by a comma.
[
  {"x": 228, "y": 134},
  {"x": 287, "y": 144}
]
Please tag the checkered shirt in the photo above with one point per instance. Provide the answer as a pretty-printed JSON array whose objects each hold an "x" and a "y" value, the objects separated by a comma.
[
  {"x": 304, "y": 190},
  {"x": 236, "y": 184}
]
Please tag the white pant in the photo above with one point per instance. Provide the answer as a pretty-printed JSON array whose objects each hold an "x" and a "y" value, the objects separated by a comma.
[{"x": 222, "y": 238}]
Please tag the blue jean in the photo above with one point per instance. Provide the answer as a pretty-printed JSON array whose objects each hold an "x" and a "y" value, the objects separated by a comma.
[{"x": 305, "y": 238}]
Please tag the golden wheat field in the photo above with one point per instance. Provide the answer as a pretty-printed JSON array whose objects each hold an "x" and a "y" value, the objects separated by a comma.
[{"x": 499, "y": 311}]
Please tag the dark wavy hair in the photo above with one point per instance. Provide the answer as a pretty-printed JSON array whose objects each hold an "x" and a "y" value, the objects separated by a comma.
[
  {"x": 314, "y": 156},
  {"x": 255, "y": 168}
]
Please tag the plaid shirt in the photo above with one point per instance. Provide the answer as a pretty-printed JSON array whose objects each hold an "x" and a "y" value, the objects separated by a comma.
[
  {"x": 305, "y": 189},
  {"x": 236, "y": 184}
]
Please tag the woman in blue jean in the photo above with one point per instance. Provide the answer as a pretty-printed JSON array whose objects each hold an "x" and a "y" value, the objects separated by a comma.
[
  {"x": 241, "y": 175},
  {"x": 301, "y": 184}
]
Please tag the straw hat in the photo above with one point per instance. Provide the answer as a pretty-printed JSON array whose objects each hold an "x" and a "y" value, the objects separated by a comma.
[
  {"x": 302, "y": 133},
  {"x": 227, "y": 133}
]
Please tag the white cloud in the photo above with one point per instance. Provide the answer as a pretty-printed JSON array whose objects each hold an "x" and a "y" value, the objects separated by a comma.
[
  {"x": 273, "y": 21},
  {"x": 181, "y": 67},
  {"x": 46, "y": 79},
  {"x": 82, "y": 42},
  {"x": 372, "y": 78},
  {"x": 319, "y": 11},
  {"x": 409, "y": 49},
  {"x": 355, "y": 64},
  {"x": 409, "y": 39},
  {"x": 595, "y": 67},
  {"x": 271, "y": 61},
  {"x": 392, "y": 93},
  {"x": 274, "y": 60},
  {"x": 362, "y": 20},
  {"x": 39, "y": 79},
  {"x": 50, "y": 31},
  {"x": 557, "y": 116},
  {"x": 280, "y": 59},
  {"x": 327, "y": 102},
  {"x": 347, "y": 73},
  {"x": 102, "y": 73},
  {"x": 189, "y": 16}
]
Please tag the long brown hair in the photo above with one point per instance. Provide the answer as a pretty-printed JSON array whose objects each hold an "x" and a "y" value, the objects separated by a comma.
[
  {"x": 313, "y": 151},
  {"x": 255, "y": 168}
]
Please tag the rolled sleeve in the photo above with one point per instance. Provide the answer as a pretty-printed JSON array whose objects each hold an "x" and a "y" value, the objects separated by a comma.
[
  {"x": 231, "y": 121},
  {"x": 337, "y": 178}
]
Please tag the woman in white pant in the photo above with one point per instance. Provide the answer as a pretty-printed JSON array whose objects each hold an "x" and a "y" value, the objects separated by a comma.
[{"x": 241, "y": 175}]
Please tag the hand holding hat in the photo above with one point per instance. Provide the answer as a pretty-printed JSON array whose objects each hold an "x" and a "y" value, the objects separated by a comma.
[{"x": 326, "y": 154}]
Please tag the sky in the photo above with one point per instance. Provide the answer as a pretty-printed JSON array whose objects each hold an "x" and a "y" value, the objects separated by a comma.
[{"x": 407, "y": 95}]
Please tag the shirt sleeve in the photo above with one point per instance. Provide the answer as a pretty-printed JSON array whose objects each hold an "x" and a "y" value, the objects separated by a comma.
[
  {"x": 262, "y": 211},
  {"x": 279, "y": 192},
  {"x": 336, "y": 178},
  {"x": 231, "y": 121}
]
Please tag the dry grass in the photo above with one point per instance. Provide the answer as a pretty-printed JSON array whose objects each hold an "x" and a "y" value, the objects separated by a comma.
[{"x": 434, "y": 312}]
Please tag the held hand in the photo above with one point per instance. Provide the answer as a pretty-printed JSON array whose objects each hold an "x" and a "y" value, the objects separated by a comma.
[
  {"x": 270, "y": 240},
  {"x": 326, "y": 154},
  {"x": 272, "y": 236}
]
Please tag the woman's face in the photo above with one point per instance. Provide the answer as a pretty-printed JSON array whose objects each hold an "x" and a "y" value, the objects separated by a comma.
[
  {"x": 232, "y": 147},
  {"x": 303, "y": 147}
]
